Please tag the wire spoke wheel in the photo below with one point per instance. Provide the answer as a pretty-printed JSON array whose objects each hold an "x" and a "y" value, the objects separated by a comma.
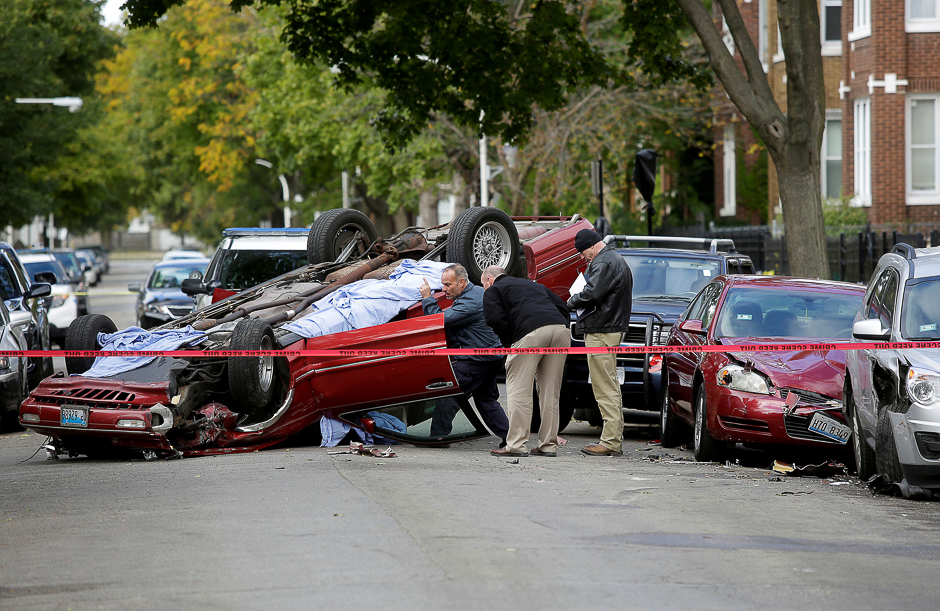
[{"x": 491, "y": 246}]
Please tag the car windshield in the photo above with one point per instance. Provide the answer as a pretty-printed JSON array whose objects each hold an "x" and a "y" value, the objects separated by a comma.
[
  {"x": 69, "y": 261},
  {"x": 662, "y": 277},
  {"x": 172, "y": 276},
  {"x": 920, "y": 312},
  {"x": 242, "y": 269},
  {"x": 780, "y": 312},
  {"x": 39, "y": 267}
]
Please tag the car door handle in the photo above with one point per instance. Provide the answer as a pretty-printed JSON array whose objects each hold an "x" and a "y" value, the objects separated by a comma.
[{"x": 438, "y": 385}]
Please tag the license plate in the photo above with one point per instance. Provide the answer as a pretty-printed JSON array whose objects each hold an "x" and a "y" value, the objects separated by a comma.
[
  {"x": 74, "y": 415},
  {"x": 621, "y": 376},
  {"x": 827, "y": 427}
]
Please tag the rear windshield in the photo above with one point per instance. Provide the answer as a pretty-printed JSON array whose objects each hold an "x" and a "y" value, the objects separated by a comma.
[
  {"x": 787, "y": 313},
  {"x": 670, "y": 278},
  {"x": 40, "y": 267},
  {"x": 69, "y": 261},
  {"x": 172, "y": 276},
  {"x": 243, "y": 269}
]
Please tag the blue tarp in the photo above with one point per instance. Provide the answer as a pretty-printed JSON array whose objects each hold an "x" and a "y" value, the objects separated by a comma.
[
  {"x": 136, "y": 339},
  {"x": 332, "y": 431},
  {"x": 366, "y": 303}
]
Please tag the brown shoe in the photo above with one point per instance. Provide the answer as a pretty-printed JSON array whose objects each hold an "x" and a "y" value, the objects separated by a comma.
[
  {"x": 506, "y": 453},
  {"x": 599, "y": 450},
  {"x": 538, "y": 452}
]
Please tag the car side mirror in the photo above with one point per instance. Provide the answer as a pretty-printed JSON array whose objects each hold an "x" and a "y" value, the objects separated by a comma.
[
  {"x": 45, "y": 277},
  {"x": 871, "y": 330},
  {"x": 692, "y": 326},
  {"x": 193, "y": 287},
  {"x": 134, "y": 287},
  {"x": 40, "y": 289}
]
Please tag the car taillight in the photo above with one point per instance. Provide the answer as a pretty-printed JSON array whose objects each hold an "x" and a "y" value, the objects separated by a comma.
[
  {"x": 30, "y": 417},
  {"x": 656, "y": 363},
  {"x": 128, "y": 423}
]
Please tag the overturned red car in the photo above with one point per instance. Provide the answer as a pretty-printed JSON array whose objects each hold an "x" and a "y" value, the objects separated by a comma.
[
  {"x": 184, "y": 406},
  {"x": 772, "y": 397}
]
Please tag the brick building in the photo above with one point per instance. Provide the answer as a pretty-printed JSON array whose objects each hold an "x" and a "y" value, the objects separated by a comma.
[{"x": 890, "y": 89}]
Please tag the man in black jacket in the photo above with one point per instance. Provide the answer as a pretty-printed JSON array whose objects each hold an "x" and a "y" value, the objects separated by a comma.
[
  {"x": 606, "y": 300},
  {"x": 525, "y": 314}
]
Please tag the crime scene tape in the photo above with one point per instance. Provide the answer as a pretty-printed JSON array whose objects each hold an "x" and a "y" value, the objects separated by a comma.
[{"x": 340, "y": 352}]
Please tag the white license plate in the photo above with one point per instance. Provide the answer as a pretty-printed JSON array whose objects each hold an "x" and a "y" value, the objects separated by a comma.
[
  {"x": 621, "y": 376},
  {"x": 74, "y": 415},
  {"x": 827, "y": 427}
]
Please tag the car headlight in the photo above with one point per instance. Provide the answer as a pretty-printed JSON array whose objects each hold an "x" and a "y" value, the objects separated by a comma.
[
  {"x": 923, "y": 386},
  {"x": 59, "y": 300},
  {"x": 4, "y": 362},
  {"x": 154, "y": 308},
  {"x": 736, "y": 377}
]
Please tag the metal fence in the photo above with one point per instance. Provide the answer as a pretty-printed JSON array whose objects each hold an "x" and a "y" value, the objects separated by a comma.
[{"x": 853, "y": 254}]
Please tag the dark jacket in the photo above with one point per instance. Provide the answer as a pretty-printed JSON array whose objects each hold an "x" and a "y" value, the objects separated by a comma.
[
  {"x": 608, "y": 295},
  {"x": 515, "y": 307},
  {"x": 464, "y": 324}
]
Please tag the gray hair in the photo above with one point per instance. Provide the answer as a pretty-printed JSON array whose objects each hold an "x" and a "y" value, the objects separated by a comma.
[
  {"x": 460, "y": 272},
  {"x": 494, "y": 272}
]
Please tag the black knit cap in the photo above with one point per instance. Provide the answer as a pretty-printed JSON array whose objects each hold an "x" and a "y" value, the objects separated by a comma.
[{"x": 585, "y": 239}]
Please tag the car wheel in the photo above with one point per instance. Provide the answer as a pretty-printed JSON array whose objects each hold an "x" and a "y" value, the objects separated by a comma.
[
  {"x": 861, "y": 452},
  {"x": 82, "y": 334},
  {"x": 706, "y": 449},
  {"x": 481, "y": 237},
  {"x": 251, "y": 379},
  {"x": 669, "y": 433},
  {"x": 565, "y": 412},
  {"x": 333, "y": 230},
  {"x": 886, "y": 452}
]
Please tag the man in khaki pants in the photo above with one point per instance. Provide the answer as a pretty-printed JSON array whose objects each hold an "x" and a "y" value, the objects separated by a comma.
[{"x": 606, "y": 300}]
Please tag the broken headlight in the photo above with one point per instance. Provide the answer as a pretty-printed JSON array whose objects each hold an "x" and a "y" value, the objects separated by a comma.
[
  {"x": 923, "y": 386},
  {"x": 736, "y": 377}
]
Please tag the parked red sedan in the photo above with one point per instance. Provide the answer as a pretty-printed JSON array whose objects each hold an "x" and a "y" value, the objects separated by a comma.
[
  {"x": 778, "y": 397},
  {"x": 213, "y": 403}
]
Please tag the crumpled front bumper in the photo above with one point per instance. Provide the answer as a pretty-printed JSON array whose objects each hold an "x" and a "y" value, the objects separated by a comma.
[
  {"x": 917, "y": 438},
  {"x": 107, "y": 402}
]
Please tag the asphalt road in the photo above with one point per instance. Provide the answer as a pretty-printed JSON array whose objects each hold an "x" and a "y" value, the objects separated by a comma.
[{"x": 298, "y": 528}]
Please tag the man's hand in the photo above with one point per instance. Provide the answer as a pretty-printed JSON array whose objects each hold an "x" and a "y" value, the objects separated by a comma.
[{"x": 425, "y": 288}]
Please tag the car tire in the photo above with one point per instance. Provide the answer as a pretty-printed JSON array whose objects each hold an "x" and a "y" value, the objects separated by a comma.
[
  {"x": 251, "y": 379},
  {"x": 706, "y": 449},
  {"x": 862, "y": 453},
  {"x": 331, "y": 232},
  {"x": 669, "y": 433},
  {"x": 565, "y": 412},
  {"x": 82, "y": 335},
  {"x": 886, "y": 451},
  {"x": 481, "y": 237}
]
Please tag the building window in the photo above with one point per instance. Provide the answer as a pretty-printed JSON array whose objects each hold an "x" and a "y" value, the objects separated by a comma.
[
  {"x": 778, "y": 56},
  {"x": 830, "y": 22},
  {"x": 730, "y": 204},
  {"x": 861, "y": 20},
  {"x": 832, "y": 157},
  {"x": 922, "y": 159},
  {"x": 862, "y": 126},
  {"x": 922, "y": 16}
]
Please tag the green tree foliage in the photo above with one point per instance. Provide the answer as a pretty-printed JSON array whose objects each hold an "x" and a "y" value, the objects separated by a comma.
[{"x": 48, "y": 48}]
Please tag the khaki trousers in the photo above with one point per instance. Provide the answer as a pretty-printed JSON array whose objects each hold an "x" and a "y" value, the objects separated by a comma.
[
  {"x": 546, "y": 371},
  {"x": 603, "y": 368}
]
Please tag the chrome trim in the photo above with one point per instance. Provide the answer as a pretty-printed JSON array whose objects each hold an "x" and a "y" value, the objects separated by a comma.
[
  {"x": 72, "y": 429},
  {"x": 924, "y": 423},
  {"x": 439, "y": 385},
  {"x": 167, "y": 416},
  {"x": 556, "y": 264},
  {"x": 253, "y": 428},
  {"x": 356, "y": 364}
]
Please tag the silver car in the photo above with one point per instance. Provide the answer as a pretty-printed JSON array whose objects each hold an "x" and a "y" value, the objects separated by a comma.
[
  {"x": 892, "y": 394},
  {"x": 14, "y": 386}
]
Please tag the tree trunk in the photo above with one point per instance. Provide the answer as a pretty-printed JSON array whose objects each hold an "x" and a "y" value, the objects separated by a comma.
[
  {"x": 427, "y": 208},
  {"x": 798, "y": 178}
]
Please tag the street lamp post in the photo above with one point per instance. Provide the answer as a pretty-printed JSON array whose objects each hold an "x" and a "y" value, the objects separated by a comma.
[
  {"x": 286, "y": 190},
  {"x": 72, "y": 103}
]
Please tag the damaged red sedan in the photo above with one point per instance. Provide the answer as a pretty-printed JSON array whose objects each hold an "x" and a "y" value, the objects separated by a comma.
[
  {"x": 364, "y": 298},
  {"x": 779, "y": 397}
]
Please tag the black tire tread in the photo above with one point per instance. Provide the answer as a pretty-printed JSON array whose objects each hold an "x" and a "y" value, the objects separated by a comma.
[
  {"x": 82, "y": 334},
  {"x": 244, "y": 383},
  {"x": 708, "y": 450},
  {"x": 886, "y": 451},
  {"x": 324, "y": 229},
  {"x": 865, "y": 458},
  {"x": 669, "y": 435},
  {"x": 460, "y": 239}
]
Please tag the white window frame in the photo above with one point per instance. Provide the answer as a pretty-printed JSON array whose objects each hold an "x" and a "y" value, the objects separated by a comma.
[
  {"x": 831, "y": 115},
  {"x": 830, "y": 48},
  {"x": 730, "y": 166},
  {"x": 861, "y": 20},
  {"x": 921, "y": 197},
  {"x": 921, "y": 25},
  {"x": 861, "y": 128}
]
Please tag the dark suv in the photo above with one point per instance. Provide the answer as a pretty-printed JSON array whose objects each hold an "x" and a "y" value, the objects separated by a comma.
[
  {"x": 26, "y": 301},
  {"x": 664, "y": 282}
]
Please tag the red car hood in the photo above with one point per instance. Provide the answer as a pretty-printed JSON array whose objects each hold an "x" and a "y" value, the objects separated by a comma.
[{"x": 819, "y": 371}]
